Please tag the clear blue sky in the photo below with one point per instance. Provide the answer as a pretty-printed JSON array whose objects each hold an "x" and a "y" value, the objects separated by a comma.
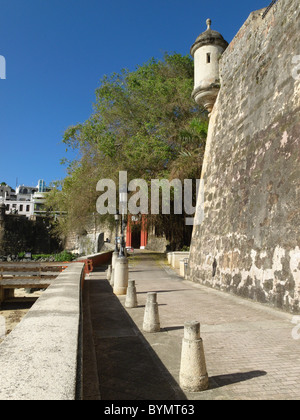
[{"x": 57, "y": 51}]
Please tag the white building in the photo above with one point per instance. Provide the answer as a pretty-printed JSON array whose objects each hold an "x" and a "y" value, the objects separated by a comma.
[{"x": 25, "y": 201}]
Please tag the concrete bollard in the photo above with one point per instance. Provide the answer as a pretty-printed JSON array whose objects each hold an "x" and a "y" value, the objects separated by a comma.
[
  {"x": 131, "y": 298},
  {"x": 151, "y": 316},
  {"x": 112, "y": 277},
  {"x": 121, "y": 276},
  {"x": 108, "y": 274},
  {"x": 114, "y": 258},
  {"x": 193, "y": 374},
  {"x": 113, "y": 264}
]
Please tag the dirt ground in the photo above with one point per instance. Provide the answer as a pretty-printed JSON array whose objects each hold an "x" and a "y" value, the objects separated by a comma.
[{"x": 12, "y": 312}]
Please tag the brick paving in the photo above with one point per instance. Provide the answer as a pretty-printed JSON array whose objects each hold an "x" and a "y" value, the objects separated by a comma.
[{"x": 249, "y": 348}]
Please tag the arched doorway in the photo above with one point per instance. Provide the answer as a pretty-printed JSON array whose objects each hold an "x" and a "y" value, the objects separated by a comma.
[
  {"x": 137, "y": 234},
  {"x": 100, "y": 242}
]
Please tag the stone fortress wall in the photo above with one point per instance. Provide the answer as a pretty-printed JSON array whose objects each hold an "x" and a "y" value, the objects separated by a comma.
[
  {"x": 19, "y": 234},
  {"x": 249, "y": 241}
]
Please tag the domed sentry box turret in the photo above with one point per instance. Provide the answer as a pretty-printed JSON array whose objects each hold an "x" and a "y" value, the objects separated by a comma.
[{"x": 207, "y": 51}]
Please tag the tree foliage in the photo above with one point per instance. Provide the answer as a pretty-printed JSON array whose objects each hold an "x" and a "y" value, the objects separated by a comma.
[{"x": 144, "y": 122}]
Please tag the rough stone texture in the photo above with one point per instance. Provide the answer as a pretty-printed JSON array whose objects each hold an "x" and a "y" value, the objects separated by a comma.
[
  {"x": 19, "y": 234},
  {"x": 248, "y": 242},
  {"x": 39, "y": 358},
  {"x": 158, "y": 244},
  {"x": 91, "y": 238}
]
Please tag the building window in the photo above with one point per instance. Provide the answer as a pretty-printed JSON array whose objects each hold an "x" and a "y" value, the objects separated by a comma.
[
  {"x": 21, "y": 207},
  {"x": 208, "y": 58},
  {"x": 27, "y": 208}
]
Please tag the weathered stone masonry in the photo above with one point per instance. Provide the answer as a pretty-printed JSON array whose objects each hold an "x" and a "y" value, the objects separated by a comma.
[
  {"x": 248, "y": 243},
  {"x": 19, "y": 234}
]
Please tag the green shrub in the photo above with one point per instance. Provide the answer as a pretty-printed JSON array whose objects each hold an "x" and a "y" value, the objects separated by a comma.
[
  {"x": 61, "y": 257},
  {"x": 64, "y": 256},
  {"x": 40, "y": 256},
  {"x": 185, "y": 248}
]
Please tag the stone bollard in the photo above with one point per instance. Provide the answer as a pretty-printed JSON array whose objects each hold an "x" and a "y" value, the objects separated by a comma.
[
  {"x": 121, "y": 276},
  {"x": 112, "y": 277},
  {"x": 151, "y": 317},
  {"x": 113, "y": 263},
  {"x": 193, "y": 375},
  {"x": 114, "y": 258},
  {"x": 131, "y": 298},
  {"x": 108, "y": 274}
]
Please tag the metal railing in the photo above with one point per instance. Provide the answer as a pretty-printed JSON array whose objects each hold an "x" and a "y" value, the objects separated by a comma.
[{"x": 269, "y": 8}]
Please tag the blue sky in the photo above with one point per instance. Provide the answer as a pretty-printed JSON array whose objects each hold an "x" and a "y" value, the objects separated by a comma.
[{"x": 57, "y": 51}]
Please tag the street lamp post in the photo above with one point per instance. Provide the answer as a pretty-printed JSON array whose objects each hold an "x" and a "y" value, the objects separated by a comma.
[
  {"x": 116, "y": 251},
  {"x": 121, "y": 267},
  {"x": 123, "y": 204},
  {"x": 117, "y": 218},
  {"x": 122, "y": 242}
]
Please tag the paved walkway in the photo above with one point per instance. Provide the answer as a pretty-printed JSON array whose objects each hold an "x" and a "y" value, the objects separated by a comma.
[{"x": 249, "y": 348}]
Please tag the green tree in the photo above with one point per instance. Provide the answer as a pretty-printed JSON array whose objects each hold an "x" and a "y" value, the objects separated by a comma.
[{"x": 145, "y": 123}]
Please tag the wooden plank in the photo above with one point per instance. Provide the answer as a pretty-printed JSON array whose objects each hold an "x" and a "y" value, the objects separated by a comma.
[
  {"x": 8, "y": 274},
  {"x": 26, "y": 286},
  {"x": 25, "y": 279},
  {"x": 30, "y": 279},
  {"x": 32, "y": 262},
  {"x": 31, "y": 269},
  {"x": 13, "y": 283},
  {"x": 27, "y": 275}
]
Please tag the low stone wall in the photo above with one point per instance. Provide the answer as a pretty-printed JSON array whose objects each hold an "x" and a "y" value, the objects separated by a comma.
[
  {"x": 98, "y": 259},
  {"x": 175, "y": 257},
  {"x": 39, "y": 358}
]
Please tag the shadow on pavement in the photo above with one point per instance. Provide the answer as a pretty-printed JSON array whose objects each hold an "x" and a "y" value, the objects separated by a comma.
[
  {"x": 123, "y": 362},
  {"x": 161, "y": 291},
  {"x": 229, "y": 379}
]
